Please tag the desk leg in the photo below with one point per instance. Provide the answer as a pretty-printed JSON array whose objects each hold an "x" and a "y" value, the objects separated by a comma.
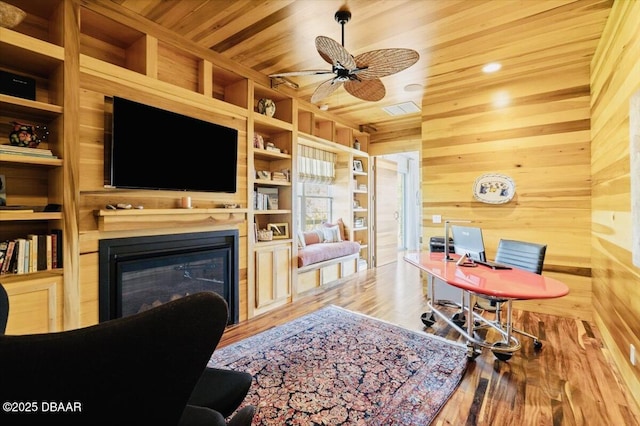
[{"x": 473, "y": 349}]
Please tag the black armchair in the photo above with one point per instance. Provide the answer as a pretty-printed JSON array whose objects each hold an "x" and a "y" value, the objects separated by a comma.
[{"x": 140, "y": 369}]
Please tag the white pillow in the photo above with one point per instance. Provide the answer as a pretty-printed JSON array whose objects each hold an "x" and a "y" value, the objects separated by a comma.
[
  {"x": 301, "y": 242},
  {"x": 331, "y": 234}
]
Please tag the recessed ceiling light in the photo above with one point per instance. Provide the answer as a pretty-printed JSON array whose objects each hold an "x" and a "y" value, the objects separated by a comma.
[
  {"x": 324, "y": 107},
  {"x": 491, "y": 67},
  {"x": 413, "y": 87}
]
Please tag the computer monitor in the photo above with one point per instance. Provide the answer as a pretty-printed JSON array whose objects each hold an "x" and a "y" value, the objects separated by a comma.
[{"x": 468, "y": 240}]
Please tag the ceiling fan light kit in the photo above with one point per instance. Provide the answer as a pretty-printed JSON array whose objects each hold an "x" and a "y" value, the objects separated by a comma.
[{"x": 360, "y": 75}]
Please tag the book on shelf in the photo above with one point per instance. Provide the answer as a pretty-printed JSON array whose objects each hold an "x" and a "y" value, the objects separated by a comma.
[
  {"x": 33, "y": 253},
  {"x": 21, "y": 247},
  {"x": 7, "y": 266},
  {"x": 12, "y": 149},
  {"x": 3, "y": 252},
  {"x": 56, "y": 248},
  {"x": 32, "y": 265}
]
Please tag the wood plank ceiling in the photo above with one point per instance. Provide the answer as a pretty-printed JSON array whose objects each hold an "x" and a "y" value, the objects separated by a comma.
[{"x": 454, "y": 38}]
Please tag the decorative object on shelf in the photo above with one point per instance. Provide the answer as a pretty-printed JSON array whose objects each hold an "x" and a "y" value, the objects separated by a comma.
[
  {"x": 280, "y": 230},
  {"x": 356, "y": 204},
  {"x": 271, "y": 147},
  {"x": 3, "y": 191},
  {"x": 359, "y": 222},
  {"x": 10, "y": 16},
  {"x": 356, "y": 145},
  {"x": 357, "y": 166},
  {"x": 494, "y": 188},
  {"x": 24, "y": 134},
  {"x": 362, "y": 187},
  {"x": 258, "y": 141},
  {"x": 231, "y": 206},
  {"x": 266, "y": 107},
  {"x": 185, "y": 202},
  {"x": 263, "y": 174},
  {"x": 265, "y": 235}
]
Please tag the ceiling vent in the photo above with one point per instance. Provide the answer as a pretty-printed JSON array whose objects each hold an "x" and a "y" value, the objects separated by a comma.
[{"x": 401, "y": 109}]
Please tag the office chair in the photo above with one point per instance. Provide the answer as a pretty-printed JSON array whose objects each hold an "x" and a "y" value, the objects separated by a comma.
[
  {"x": 139, "y": 369},
  {"x": 521, "y": 255}
]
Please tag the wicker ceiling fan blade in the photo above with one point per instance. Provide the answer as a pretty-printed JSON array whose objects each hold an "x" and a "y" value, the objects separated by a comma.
[
  {"x": 325, "y": 89},
  {"x": 384, "y": 62},
  {"x": 368, "y": 90},
  {"x": 333, "y": 52},
  {"x": 304, "y": 72}
]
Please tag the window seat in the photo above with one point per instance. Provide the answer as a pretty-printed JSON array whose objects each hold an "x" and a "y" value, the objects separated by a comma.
[
  {"x": 319, "y": 252},
  {"x": 321, "y": 262}
]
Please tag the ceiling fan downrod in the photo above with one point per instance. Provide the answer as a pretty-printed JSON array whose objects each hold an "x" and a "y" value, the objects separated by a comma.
[{"x": 342, "y": 17}]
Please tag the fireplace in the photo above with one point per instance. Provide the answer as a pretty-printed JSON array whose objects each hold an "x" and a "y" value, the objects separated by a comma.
[{"x": 139, "y": 273}]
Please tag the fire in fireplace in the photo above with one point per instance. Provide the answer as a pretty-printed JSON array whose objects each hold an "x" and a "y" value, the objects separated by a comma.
[{"x": 139, "y": 273}]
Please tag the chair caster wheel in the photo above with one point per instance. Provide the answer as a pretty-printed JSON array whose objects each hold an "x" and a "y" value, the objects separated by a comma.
[
  {"x": 428, "y": 319},
  {"x": 472, "y": 352},
  {"x": 537, "y": 344},
  {"x": 502, "y": 356},
  {"x": 459, "y": 319}
]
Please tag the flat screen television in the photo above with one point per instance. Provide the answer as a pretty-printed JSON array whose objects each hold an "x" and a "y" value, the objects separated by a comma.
[{"x": 152, "y": 148}]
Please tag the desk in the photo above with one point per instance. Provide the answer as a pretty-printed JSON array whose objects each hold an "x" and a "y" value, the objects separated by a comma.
[{"x": 504, "y": 285}]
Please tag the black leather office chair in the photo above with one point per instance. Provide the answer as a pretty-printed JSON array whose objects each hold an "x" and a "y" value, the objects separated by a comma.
[{"x": 521, "y": 255}]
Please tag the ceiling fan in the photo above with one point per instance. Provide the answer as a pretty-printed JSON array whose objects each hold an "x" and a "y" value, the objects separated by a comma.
[{"x": 361, "y": 74}]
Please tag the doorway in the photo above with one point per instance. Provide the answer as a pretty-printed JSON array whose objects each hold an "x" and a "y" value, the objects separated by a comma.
[{"x": 397, "y": 205}]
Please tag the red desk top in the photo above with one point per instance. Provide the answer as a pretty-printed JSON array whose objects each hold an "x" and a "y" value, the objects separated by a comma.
[{"x": 507, "y": 283}]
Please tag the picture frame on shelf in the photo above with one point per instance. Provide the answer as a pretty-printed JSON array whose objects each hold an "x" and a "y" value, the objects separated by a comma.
[
  {"x": 357, "y": 166},
  {"x": 258, "y": 141},
  {"x": 280, "y": 230}
]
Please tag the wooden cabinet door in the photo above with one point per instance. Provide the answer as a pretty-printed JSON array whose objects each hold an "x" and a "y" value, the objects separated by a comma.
[
  {"x": 273, "y": 274},
  {"x": 35, "y": 305}
]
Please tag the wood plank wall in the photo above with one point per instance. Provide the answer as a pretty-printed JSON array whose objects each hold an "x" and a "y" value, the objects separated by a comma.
[
  {"x": 615, "y": 78},
  {"x": 533, "y": 127}
]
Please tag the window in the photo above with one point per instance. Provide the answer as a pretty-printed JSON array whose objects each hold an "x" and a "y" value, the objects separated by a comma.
[{"x": 315, "y": 203}]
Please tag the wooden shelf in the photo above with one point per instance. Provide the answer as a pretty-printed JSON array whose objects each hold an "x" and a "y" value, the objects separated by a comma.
[
  {"x": 126, "y": 220},
  {"x": 279, "y": 211},
  {"x": 270, "y": 155},
  {"x": 267, "y": 182},
  {"x": 9, "y": 278},
  {"x": 31, "y": 160},
  {"x": 10, "y": 215}
]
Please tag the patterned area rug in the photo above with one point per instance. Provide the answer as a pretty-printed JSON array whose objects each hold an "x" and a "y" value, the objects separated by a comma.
[{"x": 335, "y": 367}]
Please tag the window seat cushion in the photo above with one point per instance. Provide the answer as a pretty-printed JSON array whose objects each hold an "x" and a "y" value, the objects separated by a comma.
[{"x": 319, "y": 252}]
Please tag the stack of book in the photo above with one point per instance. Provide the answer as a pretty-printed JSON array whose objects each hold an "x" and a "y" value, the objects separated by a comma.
[
  {"x": 279, "y": 176},
  {"x": 35, "y": 252},
  {"x": 23, "y": 150}
]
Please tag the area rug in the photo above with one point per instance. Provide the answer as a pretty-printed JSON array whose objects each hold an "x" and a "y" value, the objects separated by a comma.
[{"x": 337, "y": 367}]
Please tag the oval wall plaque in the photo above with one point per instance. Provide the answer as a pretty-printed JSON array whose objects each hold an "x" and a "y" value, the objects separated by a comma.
[{"x": 494, "y": 189}]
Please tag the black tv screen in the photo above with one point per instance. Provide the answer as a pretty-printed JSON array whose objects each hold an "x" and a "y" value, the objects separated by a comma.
[{"x": 152, "y": 148}]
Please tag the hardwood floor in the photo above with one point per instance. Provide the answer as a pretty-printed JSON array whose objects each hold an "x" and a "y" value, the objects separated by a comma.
[{"x": 570, "y": 381}]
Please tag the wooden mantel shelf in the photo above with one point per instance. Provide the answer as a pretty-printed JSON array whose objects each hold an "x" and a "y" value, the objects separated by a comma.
[{"x": 124, "y": 220}]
